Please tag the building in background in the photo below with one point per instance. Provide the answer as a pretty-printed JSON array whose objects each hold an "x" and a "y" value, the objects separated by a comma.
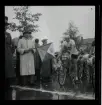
[{"x": 87, "y": 43}]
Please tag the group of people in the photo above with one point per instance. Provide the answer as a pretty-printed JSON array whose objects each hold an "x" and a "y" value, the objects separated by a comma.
[
  {"x": 28, "y": 63},
  {"x": 69, "y": 50}
]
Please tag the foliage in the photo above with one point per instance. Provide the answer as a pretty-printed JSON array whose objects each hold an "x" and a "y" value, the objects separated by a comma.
[
  {"x": 72, "y": 31},
  {"x": 26, "y": 19}
]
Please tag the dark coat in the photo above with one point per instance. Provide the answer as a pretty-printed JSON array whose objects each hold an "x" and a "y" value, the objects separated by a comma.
[
  {"x": 46, "y": 68},
  {"x": 9, "y": 50},
  {"x": 37, "y": 58}
]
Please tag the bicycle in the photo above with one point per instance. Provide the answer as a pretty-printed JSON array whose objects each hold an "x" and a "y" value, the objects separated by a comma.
[{"x": 62, "y": 68}]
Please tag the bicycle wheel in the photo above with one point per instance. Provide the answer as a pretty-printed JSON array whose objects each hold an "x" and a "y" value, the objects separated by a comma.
[{"x": 62, "y": 76}]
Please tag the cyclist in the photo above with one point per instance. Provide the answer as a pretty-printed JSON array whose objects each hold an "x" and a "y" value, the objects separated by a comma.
[{"x": 69, "y": 47}]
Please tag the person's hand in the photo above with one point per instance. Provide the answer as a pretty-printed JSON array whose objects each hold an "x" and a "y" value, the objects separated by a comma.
[
  {"x": 32, "y": 50},
  {"x": 26, "y": 50}
]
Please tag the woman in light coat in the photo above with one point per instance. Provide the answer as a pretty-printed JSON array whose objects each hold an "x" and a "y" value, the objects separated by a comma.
[{"x": 27, "y": 67}]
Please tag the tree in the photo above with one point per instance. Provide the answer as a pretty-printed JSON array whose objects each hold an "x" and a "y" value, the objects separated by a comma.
[
  {"x": 26, "y": 19},
  {"x": 73, "y": 32}
]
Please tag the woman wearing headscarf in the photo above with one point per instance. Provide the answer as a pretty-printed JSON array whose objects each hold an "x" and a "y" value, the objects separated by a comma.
[{"x": 26, "y": 49}]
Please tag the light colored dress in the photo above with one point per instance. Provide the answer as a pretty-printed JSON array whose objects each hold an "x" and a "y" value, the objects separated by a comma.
[{"x": 27, "y": 66}]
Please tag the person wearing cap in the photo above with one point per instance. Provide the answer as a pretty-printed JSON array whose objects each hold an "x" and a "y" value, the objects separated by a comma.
[
  {"x": 26, "y": 49},
  {"x": 69, "y": 45},
  {"x": 46, "y": 67},
  {"x": 9, "y": 70}
]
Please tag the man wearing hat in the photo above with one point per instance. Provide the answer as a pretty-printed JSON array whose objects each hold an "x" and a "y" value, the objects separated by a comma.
[
  {"x": 69, "y": 44},
  {"x": 44, "y": 40},
  {"x": 46, "y": 67},
  {"x": 9, "y": 70}
]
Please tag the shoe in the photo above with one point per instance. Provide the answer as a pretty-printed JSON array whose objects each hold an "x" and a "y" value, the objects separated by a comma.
[{"x": 23, "y": 85}]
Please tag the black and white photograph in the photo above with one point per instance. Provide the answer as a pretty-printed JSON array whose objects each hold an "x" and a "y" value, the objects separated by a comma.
[{"x": 49, "y": 52}]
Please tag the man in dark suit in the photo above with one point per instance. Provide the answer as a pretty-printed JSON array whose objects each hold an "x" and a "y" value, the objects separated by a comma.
[
  {"x": 37, "y": 61},
  {"x": 9, "y": 70}
]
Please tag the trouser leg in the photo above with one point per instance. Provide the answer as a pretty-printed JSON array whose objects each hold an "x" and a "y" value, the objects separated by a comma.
[
  {"x": 24, "y": 80},
  {"x": 38, "y": 74},
  {"x": 75, "y": 68},
  {"x": 31, "y": 79},
  {"x": 8, "y": 89}
]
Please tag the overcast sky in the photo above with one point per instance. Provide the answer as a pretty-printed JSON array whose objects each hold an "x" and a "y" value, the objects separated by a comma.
[{"x": 54, "y": 21}]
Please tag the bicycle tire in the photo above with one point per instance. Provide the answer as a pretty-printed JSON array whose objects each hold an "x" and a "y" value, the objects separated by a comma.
[{"x": 62, "y": 76}]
